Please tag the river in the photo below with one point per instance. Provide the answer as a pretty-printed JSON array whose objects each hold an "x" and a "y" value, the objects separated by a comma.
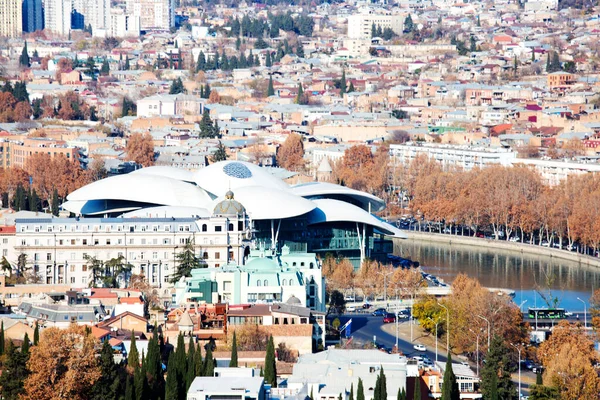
[{"x": 523, "y": 273}]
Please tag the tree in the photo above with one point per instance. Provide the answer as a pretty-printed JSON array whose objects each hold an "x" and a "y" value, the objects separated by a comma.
[
  {"x": 541, "y": 392},
  {"x": 54, "y": 202},
  {"x": 495, "y": 374},
  {"x": 214, "y": 97},
  {"x": 191, "y": 366},
  {"x": 2, "y": 339},
  {"x": 24, "y": 58},
  {"x": 133, "y": 358},
  {"x": 176, "y": 87},
  {"x": 351, "y": 396},
  {"x": 351, "y": 87},
  {"x": 408, "y": 24},
  {"x": 140, "y": 149},
  {"x": 373, "y": 30},
  {"x": 260, "y": 44},
  {"x": 290, "y": 154},
  {"x": 209, "y": 362},
  {"x": 343, "y": 83},
  {"x": 110, "y": 384},
  {"x": 301, "y": 98},
  {"x": 220, "y": 154},
  {"x": 360, "y": 391},
  {"x": 450, "y": 386},
  {"x": 233, "y": 363},
  {"x": 268, "y": 60},
  {"x": 63, "y": 365},
  {"x": 171, "y": 387},
  {"x": 270, "y": 364},
  {"x": 26, "y": 344},
  {"x": 14, "y": 373},
  {"x": 417, "y": 391},
  {"x": 201, "y": 62},
  {"x": 300, "y": 49},
  {"x": 153, "y": 367},
  {"x": 337, "y": 303},
  {"x": 129, "y": 108},
  {"x": 270, "y": 90},
  {"x": 105, "y": 69},
  {"x": 36, "y": 334},
  {"x": 186, "y": 262},
  {"x": 127, "y": 65}
]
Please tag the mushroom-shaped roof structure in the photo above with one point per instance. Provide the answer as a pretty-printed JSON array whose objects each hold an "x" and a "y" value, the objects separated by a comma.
[
  {"x": 229, "y": 206},
  {"x": 168, "y": 212},
  {"x": 222, "y": 176},
  {"x": 167, "y": 172},
  {"x": 329, "y": 210},
  {"x": 324, "y": 190},
  {"x": 144, "y": 188},
  {"x": 263, "y": 203}
]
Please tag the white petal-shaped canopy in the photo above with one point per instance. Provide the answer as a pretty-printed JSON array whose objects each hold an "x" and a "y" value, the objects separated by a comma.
[
  {"x": 222, "y": 176},
  {"x": 169, "y": 212},
  {"x": 268, "y": 203},
  {"x": 167, "y": 172},
  {"x": 329, "y": 210},
  {"x": 141, "y": 188},
  {"x": 324, "y": 190}
]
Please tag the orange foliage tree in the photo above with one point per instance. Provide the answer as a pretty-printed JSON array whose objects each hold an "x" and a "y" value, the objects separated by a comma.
[
  {"x": 140, "y": 149},
  {"x": 63, "y": 365},
  {"x": 290, "y": 154}
]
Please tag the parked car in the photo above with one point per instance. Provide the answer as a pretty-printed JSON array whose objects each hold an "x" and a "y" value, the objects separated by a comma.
[
  {"x": 351, "y": 309},
  {"x": 380, "y": 312},
  {"x": 419, "y": 347},
  {"x": 403, "y": 315},
  {"x": 537, "y": 369},
  {"x": 514, "y": 239},
  {"x": 389, "y": 318},
  {"x": 366, "y": 306}
]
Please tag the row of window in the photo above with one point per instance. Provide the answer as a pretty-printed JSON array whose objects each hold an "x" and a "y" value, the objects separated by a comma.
[
  {"x": 124, "y": 228},
  {"x": 117, "y": 241}
]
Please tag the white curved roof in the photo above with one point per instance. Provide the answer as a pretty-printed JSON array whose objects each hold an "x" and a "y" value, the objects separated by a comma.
[
  {"x": 168, "y": 212},
  {"x": 219, "y": 177},
  {"x": 97, "y": 207},
  {"x": 329, "y": 210},
  {"x": 268, "y": 203},
  {"x": 324, "y": 189},
  {"x": 167, "y": 172},
  {"x": 144, "y": 189}
]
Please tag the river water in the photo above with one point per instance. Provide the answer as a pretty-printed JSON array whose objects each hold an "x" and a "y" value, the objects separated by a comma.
[{"x": 524, "y": 273}]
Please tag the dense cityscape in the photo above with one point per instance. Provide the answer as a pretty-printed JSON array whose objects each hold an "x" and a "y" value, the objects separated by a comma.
[{"x": 299, "y": 200}]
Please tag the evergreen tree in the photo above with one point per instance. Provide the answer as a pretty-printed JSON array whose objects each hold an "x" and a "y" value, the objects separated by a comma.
[
  {"x": 360, "y": 391},
  {"x": 198, "y": 365},
  {"x": 207, "y": 91},
  {"x": 268, "y": 61},
  {"x": 154, "y": 366},
  {"x": 20, "y": 91},
  {"x": 216, "y": 61},
  {"x": 54, "y": 204},
  {"x": 127, "y": 66},
  {"x": 129, "y": 388},
  {"x": 300, "y": 95},
  {"x": 271, "y": 364},
  {"x": 417, "y": 392},
  {"x": 201, "y": 63},
  {"x": 2, "y": 339},
  {"x": 555, "y": 62},
  {"x": 300, "y": 50},
  {"x": 270, "y": 89},
  {"x": 14, "y": 373},
  {"x": 493, "y": 387},
  {"x": 25, "y": 345},
  {"x": 180, "y": 367},
  {"x": 538, "y": 378},
  {"x": 373, "y": 30},
  {"x": 187, "y": 260},
  {"x": 351, "y": 88},
  {"x": 191, "y": 368},
  {"x": 234, "y": 356},
  {"x": 311, "y": 389},
  {"x": 133, "y": 358},
  {"x": 495, "y": 374},
  {"x": 105, "y": 69},
  {"x": 176, "y": 87},
  {"x": 141, "y": 389},
  {"x": 343, "y": 83},
  {"x": 209, "y": 362},
  {"x": 379, "y": 31},
  {"x": 24, "y": 58},
  {"x": 401, "y": 394},
  {"x": 171, "y": 387},
  {"x": 108, "y": 386},
  {"x": 34, "y": 201},
  {"x": 224, "y": 62},
  {"x": 36, "y": 334},
  {"x": 408, "y": 24},
  {"x": 238, "y": 43},
  {"x": 260, "y": 44},
  {"x": 450, "y": 386}
]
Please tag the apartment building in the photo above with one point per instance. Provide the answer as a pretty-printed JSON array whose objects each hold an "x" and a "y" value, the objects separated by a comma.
[
  {"x": 33, "y": 15},
  {"x": 360, "y": 25},
  {"x": 11, "y": 20},
  {"x": 94, "y": 13},
  {"x": 56, "y": 248},
  {"x": 16, "y": 154},
  {"x": 57, "y": 16},
  {"x": 153, "y": 14}
]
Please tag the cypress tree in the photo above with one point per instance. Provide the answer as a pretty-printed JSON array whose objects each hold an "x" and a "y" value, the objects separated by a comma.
[
  {"x": 2, "y": 339},
  {"x": 311, "y": 391},
  {"x": 198, "y": 370},
  {"x": 209, "y": 363},
  {"x": 382, "y": 385},
  {"x": 201, "y": 63},
  {"x": 129, "y": 392},
  {"x": 417, "y": 392},
  {"x": 34, "y": 201},
  {"x": 404, "y": 394},
  {"x": 24, "y": 58},
  {"x": 191, "y": 368},
  {"x": 233, "y": 363},
  {"x": 171, "y": 387},
  {"x": 450, "y": 386},
  {"x": 351, "y": 88},
  {"x": 127, "y": 65},
  {"x": 538, "y": 379},
  {"x": 343, "y": 83},
  {"x": 55, "y": 202},
  {"x": 133, "y": 359},
  {"x": 154, "y": 366},
  {"x": 268, "y": 61},
  {"x": 300, "y": 95},
  {"x": 377, "y": 390},
  {"x": 36, "y": 334},
  {"x": 180, "y": 367},
  {"x": 360, "y": 391},
  {"x": 271, "y": 364},
  {"x": 25, "y": 345},
  {"x": 351, "y": 397},
  {"x": 270, "y": 90},
  {"x": 140, "y": 384}
]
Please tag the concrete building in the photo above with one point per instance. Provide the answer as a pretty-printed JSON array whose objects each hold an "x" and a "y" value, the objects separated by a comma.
[
  {"x": 11, "y": 19},
  {"x": 57, "y": 16},
  {"x": 234, "y": 383},
  {"x": 360, "y": 25},
  {"x": 123, "y": 24},
  {"x": 94, "y": 13},
  {"x": 153, "y": 14},
  {"x": 170, "y": 104},
  {"x": 16, "y": 154},
  {"x": 33, "y": 15}
]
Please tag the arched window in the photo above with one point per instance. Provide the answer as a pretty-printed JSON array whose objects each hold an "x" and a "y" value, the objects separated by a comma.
[
  {"x": 204, "y": 228},
  {"x": 230, "y": 228},
  {"x": 266, "y": 283},
  {"x": 258, "y": 282},
  {"x": 283, "y": 282}
]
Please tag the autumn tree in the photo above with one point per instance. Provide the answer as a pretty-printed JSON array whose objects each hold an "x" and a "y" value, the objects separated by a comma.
[
  {"x": 290, "y": 154},
  {"x": 63, "y": 365},
  {"x": 140, "y": 149}
]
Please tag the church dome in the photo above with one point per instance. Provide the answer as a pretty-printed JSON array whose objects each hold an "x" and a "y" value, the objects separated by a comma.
[
  {"x": 229, "y": 206},
  {"x": 293, "y": 300}
]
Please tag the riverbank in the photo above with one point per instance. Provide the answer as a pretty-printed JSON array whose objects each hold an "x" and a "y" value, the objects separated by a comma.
[{"x": 500, "y": 244}]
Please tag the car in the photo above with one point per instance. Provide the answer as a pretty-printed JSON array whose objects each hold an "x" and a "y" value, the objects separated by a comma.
[
  {"x": 545, "y": 243},
  {"x": 427, "y": 362},
  {"x": 514, "y": 239},
  {"x": 380, "y": 312},
  {"x": 419, "y": 347},
  {"x": 537, "y": 369},
  {"x": 389, "y": 318},
  {"x": 568, "y": 313},
  {"x": 366, "y": 306},
  {"x": 351, "y": 309},
  {"x": 529, "y": 364},
  {"x": 403, "y": 316}
]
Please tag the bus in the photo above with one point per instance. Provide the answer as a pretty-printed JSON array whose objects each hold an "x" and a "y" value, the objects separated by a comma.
[{"x": 547, "y": 313}]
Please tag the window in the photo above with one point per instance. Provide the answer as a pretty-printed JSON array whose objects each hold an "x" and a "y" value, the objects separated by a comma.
[
  {"x": 72, "y": 279},
  {"x": 227, "y": 286},
  {"x": 72, "y": 268},
  {"x": 258, "y": 283},
  {"x": 205, "y": 255},
  {"x": 218, "y": 228},
  {"x": 155, "y": 255},
  {"x": 217, "y": 255},
  {"x": 204, "y": 228},
  {"x": 73, "y": 242},
  {"x": 48, "y": 256},
  {"x": 143, "y": 241},
  {"x": 166, "y": 241},
  {"x": 283, "y": 282},
  {"x": 230, "y": 227},
  {"x": 266, "y": 283},
  {"x": 108, "y": 242},
  {"x": 96, "y": 242},
  {"x": 84, "y": 242}
]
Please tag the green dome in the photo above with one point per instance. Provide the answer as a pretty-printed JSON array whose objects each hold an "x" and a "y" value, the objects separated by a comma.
[{"x": 262, "y": 264}]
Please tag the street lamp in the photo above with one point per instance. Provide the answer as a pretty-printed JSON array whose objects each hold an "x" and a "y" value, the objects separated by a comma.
[
  {"x": 519, "y": 350},
  {"x": 477, "y": 354},
  {"x": 436, "y": 339},
  {"x": 584, "y": 313},
  {"x": 521, "y": 305},
  {"x": 447, "y": 326},
  {"x": 489, "y": 326},
  {"x": 385, "y": 275}
]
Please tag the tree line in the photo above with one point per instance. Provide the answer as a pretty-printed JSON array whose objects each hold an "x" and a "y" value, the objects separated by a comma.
[{"x": 258, "y": 27}]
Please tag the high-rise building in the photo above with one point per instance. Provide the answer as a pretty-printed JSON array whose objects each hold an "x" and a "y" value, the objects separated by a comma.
[
  {"x": 153, "y": 14},
  {"x": 10, "y": 18},
  {"x": 57, "y": 16},
  {"x": 33, "y": 15},
  {"x": 93, "y": 13},
  {"x": 360, "y": 25}
]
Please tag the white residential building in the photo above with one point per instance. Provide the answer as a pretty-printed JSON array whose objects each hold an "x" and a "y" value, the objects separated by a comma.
[
  {"x": 123, "y": 24},
  {"x": 170, "y": 104},
  {"x": 235, "y": 383},
  {"x": 96, "y": 13},
  {"x": 153, "y": 14},
  {"x": 57, "y": 16},
  {"x": 360, "y": 25}
]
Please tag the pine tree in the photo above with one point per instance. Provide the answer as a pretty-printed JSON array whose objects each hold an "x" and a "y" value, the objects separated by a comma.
[
  {"x": 109, "y": 384},
  {"x": 343, "y": 83},
  {"x": 171, "y": 387},
  {"x": 300, "y": 50},
  {"x": 133, "y": 359},
  {"x": 34, "y": 201},
  {"x": 176, "y": 87},
  {"x": 373, "y": 30},
  {"x": 408, "y": 24},
  {"x": 450, "y": 386},
  {"x": 36, "y": 334},
  {"x": 25, "y": 345},
  {"x": 233, "y": 363},
  {"x": 105, "y": 69},
  {"x": 54, "y": 204},
  {"x": 24, "y": 58},
  {"x": 270, "y": 89},
  {"x": 495, "y": 374},
  {"x": 14, "y": 373},
  {"x": 417, "y": 392},
  {"x": 360, "y": 391},
  {"x": 201, "y": 63},
  {"x": 271, "y": 364}
]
